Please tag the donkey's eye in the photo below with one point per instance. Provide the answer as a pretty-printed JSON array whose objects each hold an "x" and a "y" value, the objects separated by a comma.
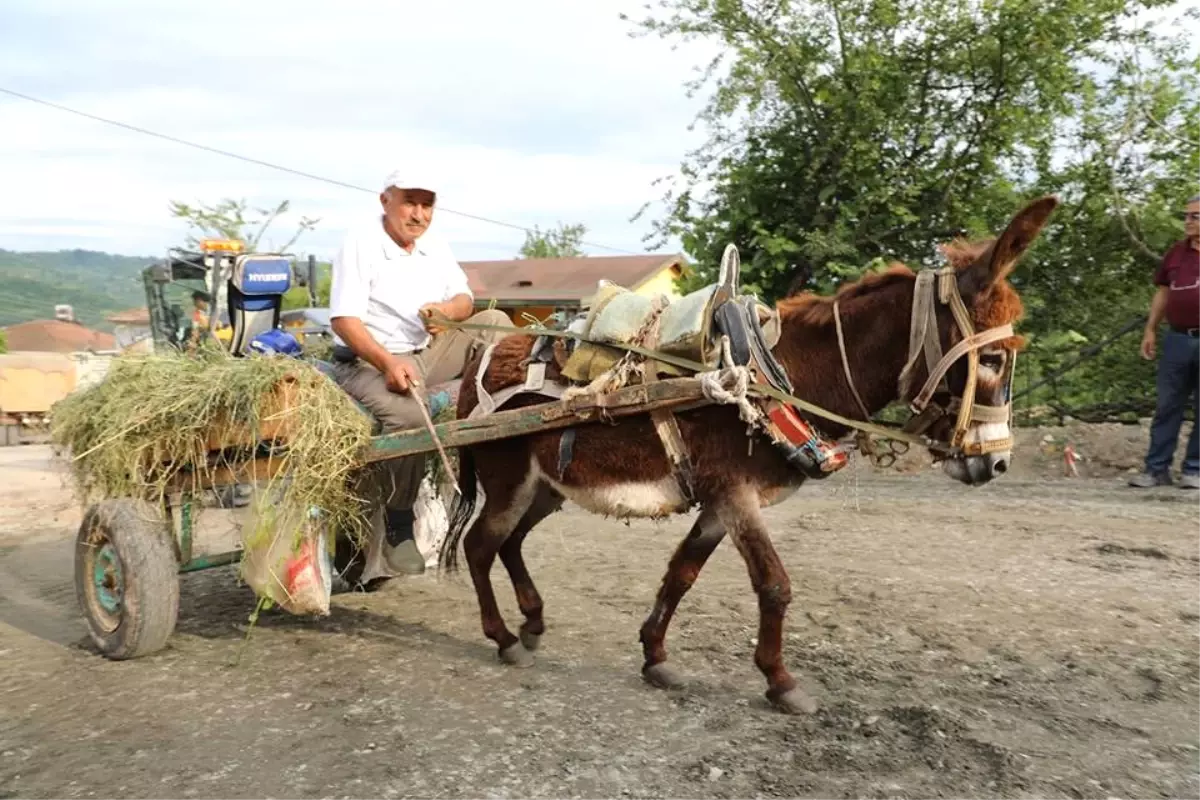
[{"x": 993, "y": 361}]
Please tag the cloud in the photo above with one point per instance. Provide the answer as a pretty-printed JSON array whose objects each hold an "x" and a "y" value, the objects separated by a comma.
[{"x": 531, "y": 113}]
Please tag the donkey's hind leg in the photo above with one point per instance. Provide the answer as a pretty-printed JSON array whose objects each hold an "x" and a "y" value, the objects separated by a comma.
[
  {"x": 504, "y": 508},
  {"x": 739, "y": 513},
  {"x": 545, "y": 502},
  {"x": 681, "y": 573}
]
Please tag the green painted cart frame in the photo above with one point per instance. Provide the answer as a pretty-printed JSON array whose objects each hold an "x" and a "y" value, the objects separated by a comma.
[{"x": 128, "y": 558}]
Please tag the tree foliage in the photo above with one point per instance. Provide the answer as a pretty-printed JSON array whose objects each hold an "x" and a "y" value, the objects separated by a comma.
[
  {"x": 297, "y": 296},
  {"x": 562, "y": 241},
  {"x": 234, "y": 219},
  {"x": 844, "y": 134},
  {"x": 3, "y": 343}
]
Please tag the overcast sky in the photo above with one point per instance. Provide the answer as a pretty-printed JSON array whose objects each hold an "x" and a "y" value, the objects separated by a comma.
[{"x": 529, "y": 112}]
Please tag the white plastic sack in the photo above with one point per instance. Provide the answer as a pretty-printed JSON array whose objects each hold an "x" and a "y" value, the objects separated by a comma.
[
  {"x": 286, "y": 558},
  {"x": 432, "y": 522}
]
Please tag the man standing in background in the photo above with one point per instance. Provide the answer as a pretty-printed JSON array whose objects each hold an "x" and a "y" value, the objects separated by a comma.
[{"x": 1178, "y": 301}]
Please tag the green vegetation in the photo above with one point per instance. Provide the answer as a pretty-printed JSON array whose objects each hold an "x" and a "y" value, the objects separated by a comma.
[
  {"x": 849, "y": 133},
  {"x": 297, "y": 296},
  {"x": 149, "y": 424},
  {"x": 562, "y": 241},
  {"x": 234, "y": 219},
  {"x": 94, "y": 284}
]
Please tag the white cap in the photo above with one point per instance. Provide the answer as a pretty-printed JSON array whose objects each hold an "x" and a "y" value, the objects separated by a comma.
[{"x": 404, "y": 179}]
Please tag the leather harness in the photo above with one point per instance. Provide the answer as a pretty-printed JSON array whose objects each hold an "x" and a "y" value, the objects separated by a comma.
[{"x": 744, "y": 345}]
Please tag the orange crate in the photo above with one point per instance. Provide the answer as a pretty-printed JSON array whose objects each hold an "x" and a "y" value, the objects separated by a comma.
[{"x": 277, "y": 421}]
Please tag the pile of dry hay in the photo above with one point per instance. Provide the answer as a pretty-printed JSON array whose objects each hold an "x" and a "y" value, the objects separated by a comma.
[{"x": 145, "y": 430}]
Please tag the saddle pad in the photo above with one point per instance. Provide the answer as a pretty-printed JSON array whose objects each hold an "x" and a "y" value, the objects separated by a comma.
[
  {"x": 589, "y": 361},
  {"x": 622, "y": 317},
  {"x": 605, "y": 292},
  {"x": 683, "y": 329}
]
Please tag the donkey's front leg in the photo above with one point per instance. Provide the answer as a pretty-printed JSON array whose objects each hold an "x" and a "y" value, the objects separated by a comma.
[
  {"x": 682, "y": 572},
  {"x": 742, "y": 519}
]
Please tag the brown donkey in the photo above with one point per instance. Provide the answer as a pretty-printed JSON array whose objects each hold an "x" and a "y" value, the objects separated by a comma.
[{"x": 622, "y": 469}]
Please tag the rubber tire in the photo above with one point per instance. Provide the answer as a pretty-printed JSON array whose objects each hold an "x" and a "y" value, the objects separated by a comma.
[{"x": 150, "y": 573}]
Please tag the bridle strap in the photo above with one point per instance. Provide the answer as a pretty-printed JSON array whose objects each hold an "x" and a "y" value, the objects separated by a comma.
[
  {"x": 967, "y": 346},
  {"x": 841, "y": 340},
  {"x": 991, "y": 414},
  {"x": 924, "y": 340},
  {"x": 922, "y": 331}
]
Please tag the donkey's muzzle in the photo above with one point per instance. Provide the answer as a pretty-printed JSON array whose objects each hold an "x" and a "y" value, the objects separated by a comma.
[{"x": 977, "y": 470}]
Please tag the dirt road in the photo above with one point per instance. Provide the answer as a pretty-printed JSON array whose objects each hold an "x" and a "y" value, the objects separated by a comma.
[{"x": 1033, "y": 638}]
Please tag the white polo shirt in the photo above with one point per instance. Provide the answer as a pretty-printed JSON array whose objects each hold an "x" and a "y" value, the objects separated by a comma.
[{"x": 377, "y": 281}]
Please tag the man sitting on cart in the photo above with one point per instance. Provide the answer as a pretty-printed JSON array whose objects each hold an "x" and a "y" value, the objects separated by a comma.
[{"x": 390, "y": 274}]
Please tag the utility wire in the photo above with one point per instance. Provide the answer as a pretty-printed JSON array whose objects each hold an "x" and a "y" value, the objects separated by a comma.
[{"x": 269, "y": 165}]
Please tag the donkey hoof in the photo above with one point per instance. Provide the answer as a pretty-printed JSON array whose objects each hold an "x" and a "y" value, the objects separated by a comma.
[
  {"x": 515, "y": 655},
  {"x": 663, "y": 675},
  {"x": 530, "y": 640},
  {"x": 795, "y": 701}
]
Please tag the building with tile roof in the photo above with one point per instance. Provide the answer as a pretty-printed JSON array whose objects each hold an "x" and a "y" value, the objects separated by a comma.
[{"x": 56, "y": 336}]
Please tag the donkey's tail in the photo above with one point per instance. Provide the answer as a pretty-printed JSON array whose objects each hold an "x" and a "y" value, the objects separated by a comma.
[{"x": 461, "y": 512}]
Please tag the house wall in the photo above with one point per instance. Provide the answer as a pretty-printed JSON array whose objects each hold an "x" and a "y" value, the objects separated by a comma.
[
  {"x": 662, "y": 283},
  {"x": 30, "y": 383},
  {"x": 518, "y": 313},
  {"x": 90, "y": 368}
]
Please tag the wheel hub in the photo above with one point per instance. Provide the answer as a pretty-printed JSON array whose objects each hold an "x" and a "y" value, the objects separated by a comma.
[{"x": 108, "y": 585}]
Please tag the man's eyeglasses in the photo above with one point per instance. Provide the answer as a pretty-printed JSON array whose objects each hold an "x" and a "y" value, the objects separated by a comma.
[{"x": 1191, "y": 216}]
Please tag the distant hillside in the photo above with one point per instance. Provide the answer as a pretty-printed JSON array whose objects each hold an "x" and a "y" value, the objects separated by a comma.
[{"x": 95, "y": 284}]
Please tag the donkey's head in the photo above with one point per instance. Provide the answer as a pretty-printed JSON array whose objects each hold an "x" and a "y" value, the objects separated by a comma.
[
  {"x": 958, "y": 385},
  {"x": 940, "y": 341}
]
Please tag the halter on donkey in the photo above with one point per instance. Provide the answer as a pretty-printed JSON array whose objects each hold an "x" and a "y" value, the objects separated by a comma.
[{"x": 907, "y": 330}]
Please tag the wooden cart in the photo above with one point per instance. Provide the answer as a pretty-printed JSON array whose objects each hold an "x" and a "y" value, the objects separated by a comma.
[{"x": 128, "y": 558}]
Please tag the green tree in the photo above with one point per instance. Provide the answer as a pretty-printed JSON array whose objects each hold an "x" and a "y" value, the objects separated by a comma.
[
  {"x": 562, "y": 241},
  {"x": 843, "y": 132},
  {"x": 847, "y": 133},
  {"x": 234, "y": 219},
  {"x": 3, "y": 343},
  {"x": 297, "y": 296},
  {"x": 1127, "y": 169}
]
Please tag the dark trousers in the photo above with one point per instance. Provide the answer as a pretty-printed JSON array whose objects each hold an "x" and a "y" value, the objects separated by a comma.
[{"x": 1178, "y": 382}]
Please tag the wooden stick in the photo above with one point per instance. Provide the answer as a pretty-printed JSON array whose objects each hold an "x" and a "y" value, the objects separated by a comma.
[{"x": 432, "y": 429}]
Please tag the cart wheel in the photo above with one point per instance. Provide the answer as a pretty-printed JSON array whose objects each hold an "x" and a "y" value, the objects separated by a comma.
[{"x": 126, "y": 579}]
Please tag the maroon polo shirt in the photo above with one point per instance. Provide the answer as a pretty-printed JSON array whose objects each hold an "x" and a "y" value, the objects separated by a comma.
[{"x": 1180, "y": 273}]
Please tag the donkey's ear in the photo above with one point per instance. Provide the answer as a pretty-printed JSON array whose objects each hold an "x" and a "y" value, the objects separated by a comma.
[{"x": 995, "y": 263}]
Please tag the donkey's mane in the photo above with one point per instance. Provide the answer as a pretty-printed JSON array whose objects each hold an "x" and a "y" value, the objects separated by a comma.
[
  {"x": 814, "y": 309},
  {"x": 998, "y": 305}
]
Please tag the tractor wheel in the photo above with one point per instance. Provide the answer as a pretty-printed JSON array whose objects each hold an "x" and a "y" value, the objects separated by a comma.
[{"x": 126, "y": 578}]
